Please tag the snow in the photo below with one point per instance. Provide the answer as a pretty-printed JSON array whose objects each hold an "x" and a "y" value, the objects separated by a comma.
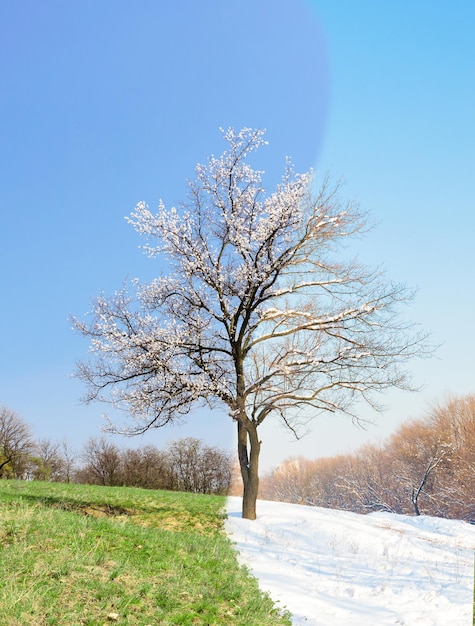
[{"x": 335, "y": 568}]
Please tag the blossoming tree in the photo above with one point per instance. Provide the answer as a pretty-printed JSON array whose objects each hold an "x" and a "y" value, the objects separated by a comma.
[{"x": 254, "y": 311}]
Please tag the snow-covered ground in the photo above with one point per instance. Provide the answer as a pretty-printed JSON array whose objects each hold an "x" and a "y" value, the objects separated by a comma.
[{"x": 335, "y": 568}]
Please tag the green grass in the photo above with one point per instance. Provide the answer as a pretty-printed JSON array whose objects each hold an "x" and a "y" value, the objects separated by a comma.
[{"x": 74, "y": 555}]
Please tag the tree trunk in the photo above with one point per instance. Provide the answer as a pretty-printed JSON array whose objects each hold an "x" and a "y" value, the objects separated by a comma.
[
  {"x": 414, "y": 498},
  {"x": 2, "y": 465},
  {"x": 249, "y": 465}
]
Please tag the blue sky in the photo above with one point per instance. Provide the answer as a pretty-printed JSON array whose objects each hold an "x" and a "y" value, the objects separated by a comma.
[{"x": 107, "y": 103}]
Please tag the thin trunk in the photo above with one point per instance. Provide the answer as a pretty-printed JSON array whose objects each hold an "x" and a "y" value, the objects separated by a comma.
[
  {"x": 415, "y": 497},
  {"x": 416, "y": 492},
  {"x": 249, "y": 465}
]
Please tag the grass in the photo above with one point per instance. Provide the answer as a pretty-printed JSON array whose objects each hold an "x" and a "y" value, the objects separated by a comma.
[{"x": 87, "y": 555}]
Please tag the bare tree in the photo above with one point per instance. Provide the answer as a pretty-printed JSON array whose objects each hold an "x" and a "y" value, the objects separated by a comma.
[
  {"x": 426, "y": 466},
  {"x": 16, "y": 444},
  {"x": 47, "y": 460},
  {"x": 198, "y": 468},
  {"x": 145, "y": 467},
  {"x": 369, "y": 484},
  {"x": 102, "y": 462},
  {"x": 291, "y": 481},
  {"x": 257, "y": 313},
  {"x": 453, "y": 422},
  {"x": 216, "y": 469},
  {"x": 69, "y": 459},
  {"x": 420, "y": 452}
]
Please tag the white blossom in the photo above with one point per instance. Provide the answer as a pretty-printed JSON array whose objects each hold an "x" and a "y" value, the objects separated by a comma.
[{"x": 257, "y": 310}]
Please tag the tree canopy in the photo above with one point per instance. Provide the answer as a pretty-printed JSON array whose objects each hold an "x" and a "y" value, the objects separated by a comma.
[{"x": 258, "y": 308}]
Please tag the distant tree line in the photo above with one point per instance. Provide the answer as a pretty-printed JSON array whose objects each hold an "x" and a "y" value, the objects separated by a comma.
[
  {"x": 426, "y": 467},
  {"x": 185, "y": 465}
]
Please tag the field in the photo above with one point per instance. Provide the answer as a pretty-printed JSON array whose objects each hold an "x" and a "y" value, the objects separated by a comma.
[
  {"x": 338, "y": 568},
  {"x": 86, "y": 555}
]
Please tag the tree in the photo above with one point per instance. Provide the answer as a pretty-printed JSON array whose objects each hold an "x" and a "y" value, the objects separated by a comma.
[
  {"x": 102, "y": 462},
  {"x": 146, "y": 467},
  {"x": 254, "y": 310},
  {"x": 69, "y": 459},
  {"x": 421, "y": 452},
  {"x": 453, "y": 422},
  {"x": 198, "y": 468},
  {"x": 291, "y": 481},
  {"x": 47, "y": 462},
  {"x": 369, "y": 481},
  {"x": 16, "y": 444}
]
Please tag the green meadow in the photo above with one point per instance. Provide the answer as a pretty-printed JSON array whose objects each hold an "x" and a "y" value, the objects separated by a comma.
[{"x": 75, "y": 555}]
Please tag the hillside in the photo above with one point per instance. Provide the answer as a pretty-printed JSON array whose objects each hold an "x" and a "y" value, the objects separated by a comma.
[
  {"x": 88, "y": 555},
  {"x": 73, "y": 555},
  {"x": 337, "y": 568}
]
